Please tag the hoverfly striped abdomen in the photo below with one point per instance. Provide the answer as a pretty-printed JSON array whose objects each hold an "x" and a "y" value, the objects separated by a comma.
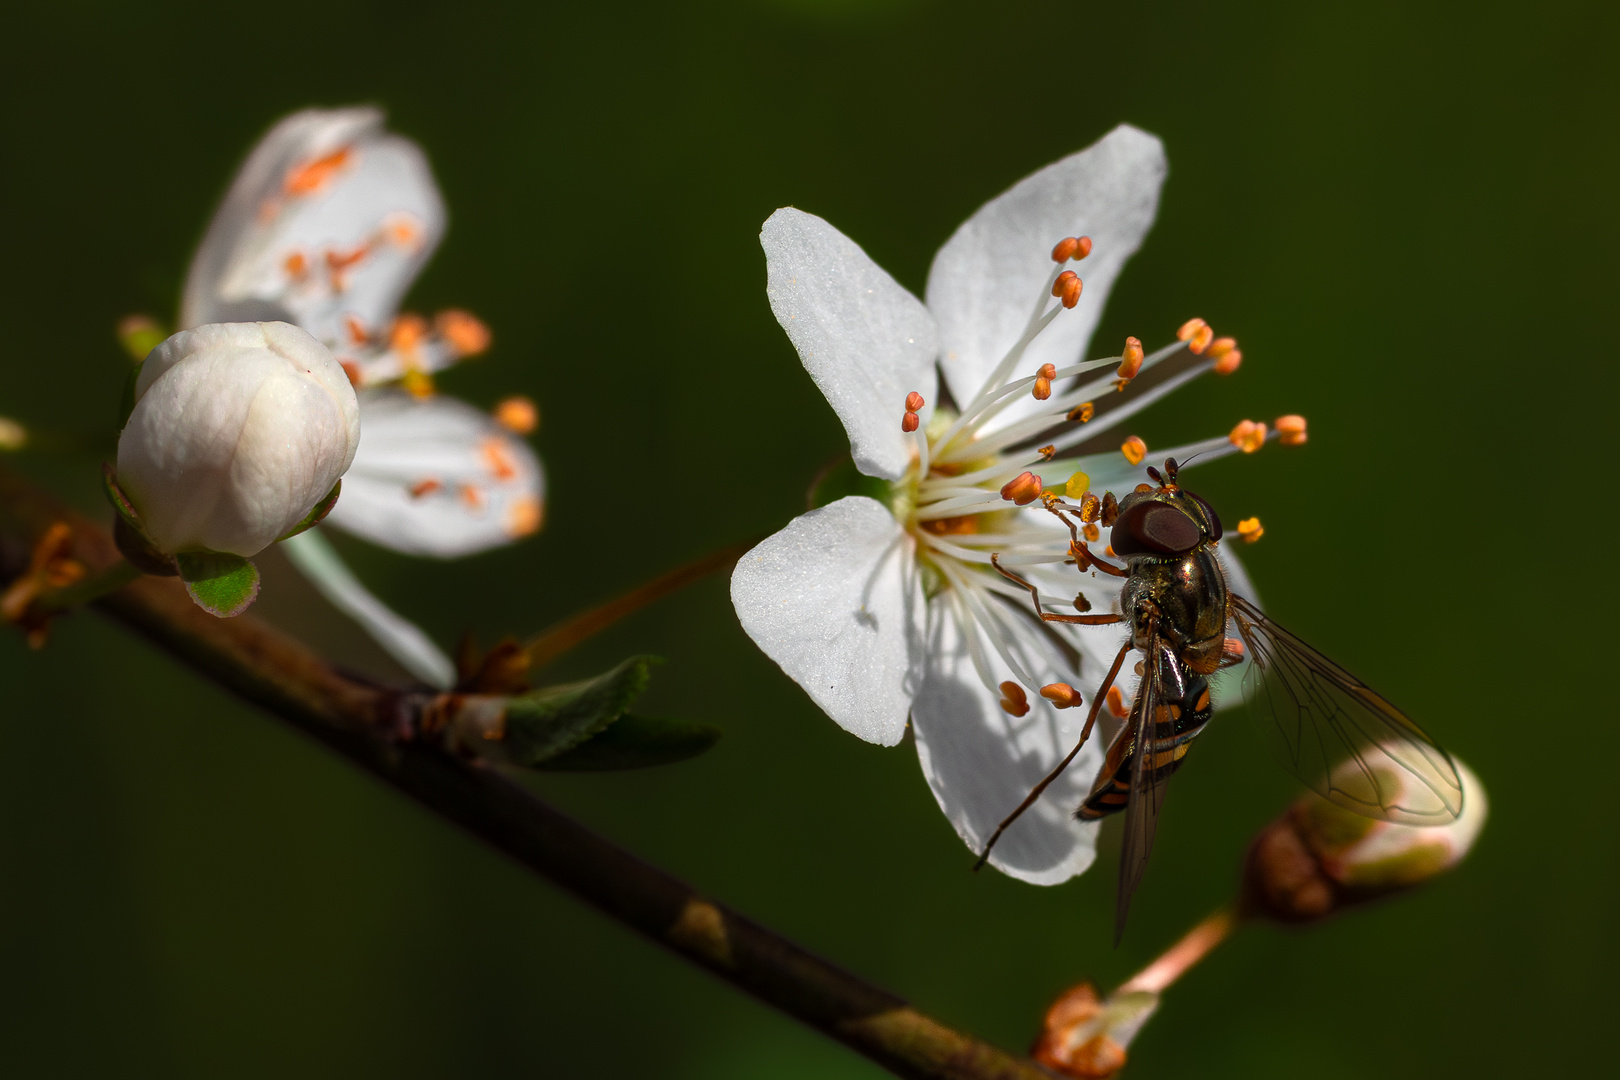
[{"x": 1178, "y": 723}]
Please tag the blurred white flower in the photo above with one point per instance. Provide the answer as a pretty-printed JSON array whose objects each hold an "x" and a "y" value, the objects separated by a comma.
[
  {"x": 326, "y": 225},
  {"x": 238, "y": 431},
  {"x": 887, "y": 607}
]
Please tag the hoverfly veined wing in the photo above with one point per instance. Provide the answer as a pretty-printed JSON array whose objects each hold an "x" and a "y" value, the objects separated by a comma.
[
  {"x": 1147, "y": 787},
  {"x": 1344, "y": 741}
]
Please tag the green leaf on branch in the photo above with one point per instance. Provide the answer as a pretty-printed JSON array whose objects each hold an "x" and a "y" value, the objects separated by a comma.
[
  {"x": 542, "y": 724},
  {"x": 120, "y": 501},
  {"x": 315, "y": 516},
  {"x": 221, "y": 584},
  {"x": 636, "y": 742}
]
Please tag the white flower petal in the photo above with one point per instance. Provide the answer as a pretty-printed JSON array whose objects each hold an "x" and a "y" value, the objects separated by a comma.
[
  {"x": 834, "y": 599},
  {"x": 987, "y": 279},
  {"x": 402, "y": 639},
  {"x": 981, "y": 762},
  {"x": 865, "y": 341},
  {"x": 300, "y": 197},
  {"x": 437, "y": 477}
]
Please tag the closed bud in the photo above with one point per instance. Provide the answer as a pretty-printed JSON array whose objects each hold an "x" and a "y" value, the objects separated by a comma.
[
  {"x": 239, "y": 431},
  {"x": 1319, "y": 857}
]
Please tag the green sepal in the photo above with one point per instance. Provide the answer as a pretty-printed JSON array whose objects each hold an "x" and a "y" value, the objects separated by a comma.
[
  {"x": 843, "y": 479},
  {"x": 120, "y": 501},
  {"x": 542, "y": 724},
  {"x": 315, "y": 516},
  {"x": 221, "y": 584},
  {"x": 636, "y": 742}
]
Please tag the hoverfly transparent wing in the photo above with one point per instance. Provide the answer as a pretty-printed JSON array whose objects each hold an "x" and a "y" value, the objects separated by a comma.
[
  {"x": 1147, "y": 788},
  {"x": 1346, "y": 743}
]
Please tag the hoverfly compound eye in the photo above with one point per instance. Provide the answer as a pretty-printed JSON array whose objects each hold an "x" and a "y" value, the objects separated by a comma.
[
  {"x": 1154, "y": 528},
  {"x": 1212, "y": 516}
]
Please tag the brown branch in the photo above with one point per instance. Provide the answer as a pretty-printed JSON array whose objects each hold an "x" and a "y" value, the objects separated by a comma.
[{"x": 277, "y": 673}]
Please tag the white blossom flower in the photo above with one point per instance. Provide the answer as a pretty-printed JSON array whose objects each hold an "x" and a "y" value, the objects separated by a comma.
[
  {"x": 239, "y": 430},
  {"x": 326, "y": 225},
  {"x": 887, "y": 608}
]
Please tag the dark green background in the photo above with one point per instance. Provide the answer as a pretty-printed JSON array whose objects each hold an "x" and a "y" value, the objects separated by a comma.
[{"x": 1406, "y": 215}]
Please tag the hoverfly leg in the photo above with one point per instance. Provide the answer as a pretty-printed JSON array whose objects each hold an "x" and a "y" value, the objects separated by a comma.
[
  {"x": 1084, "y": 560},
  {"x": 1085, "y": 733},
  {"x": 1047, "y": 616}
]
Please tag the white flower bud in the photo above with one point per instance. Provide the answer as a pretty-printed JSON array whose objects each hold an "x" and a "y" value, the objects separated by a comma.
[{"x": 238, "y": 431}]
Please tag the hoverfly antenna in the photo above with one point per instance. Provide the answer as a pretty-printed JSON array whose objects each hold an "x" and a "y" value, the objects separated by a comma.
[
  {"x": 1186, "y": 463},
  {"x": 1154, "y": 473},
  {"x": 1171, "y": 468}
]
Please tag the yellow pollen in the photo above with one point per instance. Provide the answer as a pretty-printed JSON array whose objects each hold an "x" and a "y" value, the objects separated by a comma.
[
  {"x": 1091, "y": 533},
  {"x": 418, "y": 384},
  {"x": 1248, "y": 436},
  {"x": 1291, "y": 430},
  {"x": 1090, "y": 508},
  {"x": 1083, "y": 412},
  {"x": 518, "y": 414},
  {"x": 1047, "y": 452},
  {"x": 1013, "y": 699},
  {"x": 1077, "y": 487},
  {"x": 1249, "y": 529},
  {"x": 1134, "y": 449},
  {"x": 1062, "y": 695}
]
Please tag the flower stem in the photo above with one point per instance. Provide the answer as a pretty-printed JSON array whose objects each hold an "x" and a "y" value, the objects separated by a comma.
[
  {"x": 108, "y": 579},
  {"x": 362, "y": 722},
  {"x": 552, "y": 642},
  {"x": 1194, "y": 945}
]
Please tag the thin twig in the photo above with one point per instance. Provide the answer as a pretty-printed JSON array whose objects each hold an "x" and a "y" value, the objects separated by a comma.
[
  {"x": 277, "y": 673},
  {"x": 552, "y": 642}
]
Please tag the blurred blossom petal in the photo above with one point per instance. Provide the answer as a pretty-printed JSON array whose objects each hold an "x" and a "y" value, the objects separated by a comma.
[{"x": 438, "y": 477}]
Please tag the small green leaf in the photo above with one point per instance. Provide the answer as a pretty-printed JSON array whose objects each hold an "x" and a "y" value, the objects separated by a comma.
[
  {"x": 315, "y": 516},
  {"x": 221, "y": 584},
  {"x": 635, "y": 742},
  {"x": 843, "y": 479},
  {"x": 543, "y": 723},
  {"x": 120, "y": 501}
]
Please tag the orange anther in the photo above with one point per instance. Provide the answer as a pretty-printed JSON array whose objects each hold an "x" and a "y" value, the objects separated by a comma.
[
  {"x": 467, "y": 335},
  {"x": 914, "y": 401},
  {"x": 1071, "y": 292},
  {"x": 1048, "y": 451},
  {"x": 1233, "y": 647},
  {"x": 339, "y": 261},
  {"x": 525, "y": 516},
  {"x": 1220, "y": 347},
  {"x": 473, "y": 496},
  {"x": 518, "y": 413},
  {"x": 407, "y": 332},
  {"x": 356, "y": 329},
  {"x": 1229, "y": 363},
  {"x": 1091, "y": 533},
  {"x": 309, "y": 177},
  {"x": 1134, "y": 450},
  {"x": 1189, "y": 328},
  {"x": 1291, "y": 430},
  {"x": 498, "y": 456},
  {"x": 1082, "y": 247},
  {"x": 1116, "y": 703},
  {"x": 1062, "y": 282},
  {"x": 356, "y": 374},
  {"x": 1061, "y": 695},
  {"x": 1110, "y": 510},
  {"x": 1130, "y": 361},
  {"x": 296, "y": 265},
  {"x": 1249, "y": 529},
  {"x": 1248, "y": 436},
  {"x": 1064, "y": 251},
  {"x": 424, "y": 487},
  {"x": 1013, "y": 699},
  {"x": 909, "y": 422},
  {"x": 402, "y": 230},
  {"x": 1046, "y": 371},
  {"x": 1082, "y": 412},
  {"x": 1090, "y": 508},
  {"x": 1042, "y": 388},
  {"x": 1201, "y": 340},
  {"x": 1022, "y": 489}
]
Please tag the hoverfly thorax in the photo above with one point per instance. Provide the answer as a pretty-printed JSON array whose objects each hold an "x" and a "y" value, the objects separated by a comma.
[{"x": 1176, "y": 588}]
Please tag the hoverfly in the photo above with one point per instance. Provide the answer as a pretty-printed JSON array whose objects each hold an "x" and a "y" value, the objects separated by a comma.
[{"x": 1342, "y": 739}]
